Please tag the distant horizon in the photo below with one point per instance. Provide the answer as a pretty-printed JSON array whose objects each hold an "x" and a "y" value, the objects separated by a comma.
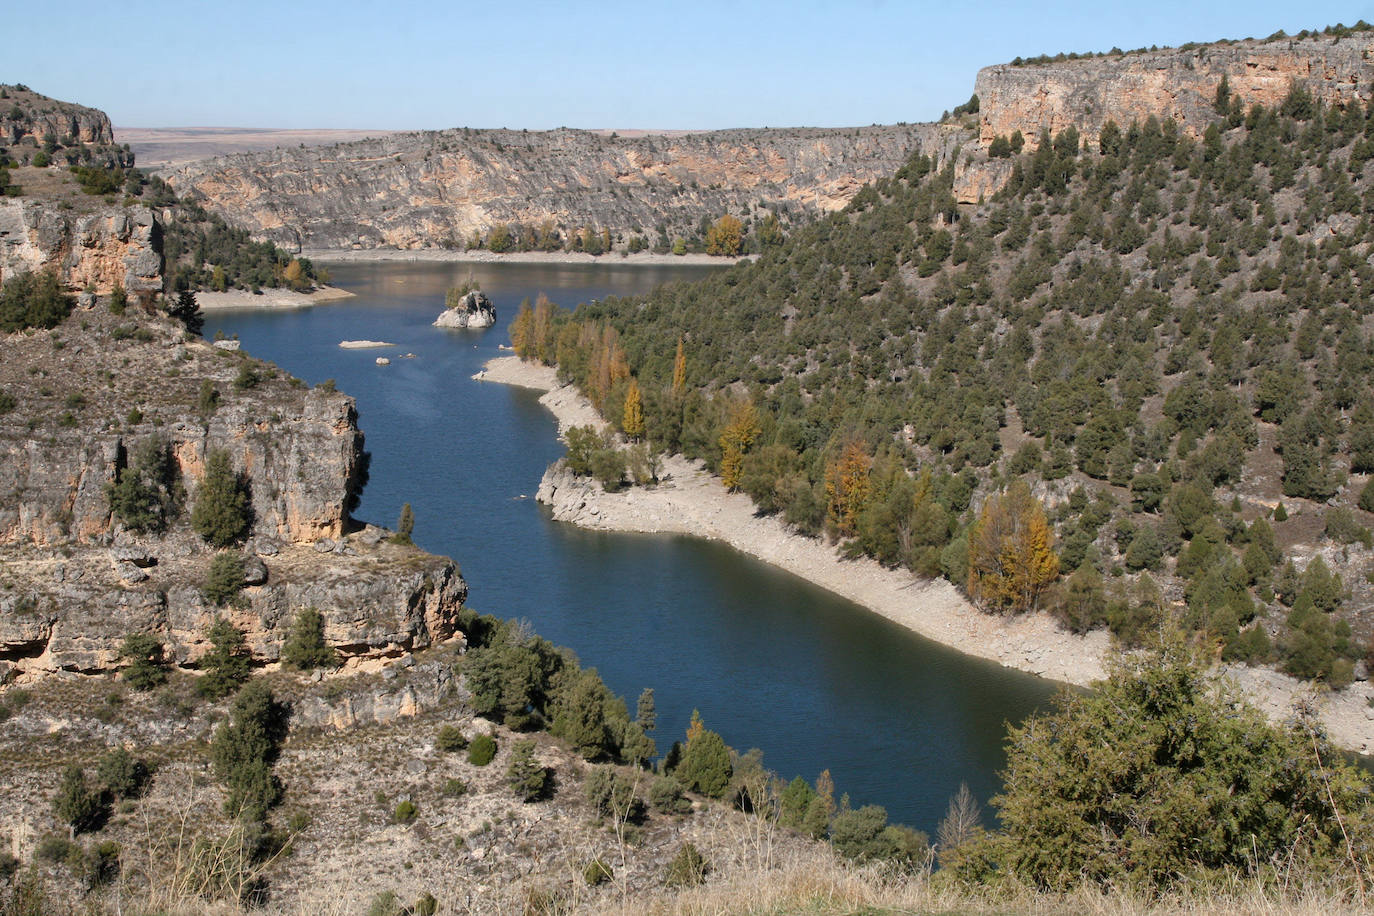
[{"x": 428, "y": 66}]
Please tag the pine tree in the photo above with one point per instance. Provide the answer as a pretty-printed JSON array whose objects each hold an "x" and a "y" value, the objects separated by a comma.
[
  {"x": 227, "y": 663},
  {"x": 646, "y": 715},
  {"x": 305, "y": 648},
  {"x": 221, "y": 515}
]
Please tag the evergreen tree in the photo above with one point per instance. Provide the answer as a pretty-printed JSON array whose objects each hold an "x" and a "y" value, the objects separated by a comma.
[
  {"x": 228, "y": 663},
  {"x": 78, "y": 804},
  {"x": 646, "y": 715},
  {"x": 222, "y": 514},
  {"x": 525, "y": 775},
  {"x": 186, "y": 309},
  {"x": 244, "y": 748},
  {"x": 305, "y": 648},
  {"x": 147, "y": 667},
  {"x": 404, "y": 526}
]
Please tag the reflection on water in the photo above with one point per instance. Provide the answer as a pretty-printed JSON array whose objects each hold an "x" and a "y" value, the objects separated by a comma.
[{"x": 770, "y": 661}]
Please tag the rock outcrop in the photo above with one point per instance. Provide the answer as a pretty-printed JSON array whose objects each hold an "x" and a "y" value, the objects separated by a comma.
[
  {"x": 26, "y": 115},
  {"x": 429, "y": 189},
  {"x": 474, "y": 310},
  {"x": 75, "y": 580},
  {"x": 101, "y": 250},
  {"x": 1177, "y": 84}
]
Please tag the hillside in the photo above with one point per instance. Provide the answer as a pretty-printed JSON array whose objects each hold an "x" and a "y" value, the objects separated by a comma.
[
  {"x": 544, "y": 188},
  {"x": 1165, "y": 339}
]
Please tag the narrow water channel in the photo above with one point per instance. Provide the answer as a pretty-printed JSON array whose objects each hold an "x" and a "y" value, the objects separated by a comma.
[{"x": 772, "y": 662}]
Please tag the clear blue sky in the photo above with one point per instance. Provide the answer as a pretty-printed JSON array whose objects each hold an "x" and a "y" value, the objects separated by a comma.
[{"x": 534, "y": 64}]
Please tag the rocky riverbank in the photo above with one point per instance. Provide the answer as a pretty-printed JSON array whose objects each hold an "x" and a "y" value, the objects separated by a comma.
[{"x": 690, "y": 500}]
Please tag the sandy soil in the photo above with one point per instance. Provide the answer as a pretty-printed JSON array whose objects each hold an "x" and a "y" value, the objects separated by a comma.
[
  {"x": 518, "y": 257},
  {"x": 692, "y": 501},
  {"x": 270, "y": 299}
]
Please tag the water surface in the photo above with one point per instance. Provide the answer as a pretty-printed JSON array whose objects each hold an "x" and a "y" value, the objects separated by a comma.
[{"x": 771, "y": 661}]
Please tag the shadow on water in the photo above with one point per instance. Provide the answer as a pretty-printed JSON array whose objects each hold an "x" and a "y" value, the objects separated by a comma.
[{"x": 772, "y": 662}]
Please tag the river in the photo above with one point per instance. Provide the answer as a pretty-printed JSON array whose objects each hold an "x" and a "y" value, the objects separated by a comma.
[{"x": 770, "y": 661}]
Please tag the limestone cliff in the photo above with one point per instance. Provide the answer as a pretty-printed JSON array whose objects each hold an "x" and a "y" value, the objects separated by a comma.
[
  {"x": 100, "y": 249},
  {"x": 75, "y": 580},
  {"x": 429, "y": 189},
  {"x": 1179, "y": 84},
  {"x": 26, "y": 115}
]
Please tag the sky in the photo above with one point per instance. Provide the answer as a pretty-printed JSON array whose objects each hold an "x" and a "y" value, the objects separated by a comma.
[{"x": 531, "y": 64}]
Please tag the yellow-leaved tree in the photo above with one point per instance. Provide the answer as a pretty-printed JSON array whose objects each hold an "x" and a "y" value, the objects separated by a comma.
[
  {"x": 725, "y": 236},
  {"x": 522, "y": 331},
  {"x": 633, "y": 420},
  {"x": 847, "y": 488},
  {"x": 735, "y": 440},
  {"x": 1011, "y": 558},
  {"x": 679, "y": 368}
]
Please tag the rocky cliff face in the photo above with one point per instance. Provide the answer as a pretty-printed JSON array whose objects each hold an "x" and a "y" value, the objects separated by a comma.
[
  {"x": 26, "y": 115},
  {"x": 427, "y": 189},
  {"x": 101, "y": 249},
  {"x": 74, "y": 580},
  {"x": 1175, "y": 83}
]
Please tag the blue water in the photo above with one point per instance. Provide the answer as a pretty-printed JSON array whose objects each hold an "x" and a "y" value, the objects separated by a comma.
[{"x": 771, "y": 662}]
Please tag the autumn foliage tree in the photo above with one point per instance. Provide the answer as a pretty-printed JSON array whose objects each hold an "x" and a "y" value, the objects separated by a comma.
[
  {"x": 1011, "y": 556},
  {"x": 735, "y": 440},
  {"x": 633, "y": 420},
  {"x": 847, "y": 488},
  {"x": 725, "y": 237}
]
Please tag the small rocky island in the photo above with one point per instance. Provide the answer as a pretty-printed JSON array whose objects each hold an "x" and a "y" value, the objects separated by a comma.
[{"x": 466, "y": 307}]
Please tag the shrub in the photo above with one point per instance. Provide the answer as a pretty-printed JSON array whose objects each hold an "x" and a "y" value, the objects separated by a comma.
[
  {"x": 248, "y": 377},
  {"x": 222, "y": 514},
  {"x": 451, "y": 739},
  {"x": 404, "y": 813},
  {"x": 225, "y": 578},
  {"x": 482, "y": 750},
  {"x": 147, "y": 668},
  {"x": 33, "y": 300},
  {"x": 613, "y": 795},
  {"x": 1366, "y": 500},
  {"x": 864, "y": 835},
  {"x": 146, "y": 493},
  {"x": 122, "y": 774},
  {"x": 78, "y": 803},
  {"x": 454, "y": 787},
  {"x": 596, "y": 872},
  {"x": 1160, "y": 744},
  {"x": 244, "y": 748},
  {"x": 705, "y": 765},
  {"x": 305, "y": 648},
  {"x": 688, "y": 867},
  {"x": 227, "y": 664},
  {"x": 525, "y": 775},
  {"x": 665, "y": 794},
  {"x": 405, "y": 526}
]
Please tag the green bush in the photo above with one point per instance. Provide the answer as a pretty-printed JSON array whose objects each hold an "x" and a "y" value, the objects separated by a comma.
[
  {"x": 147, "y": 668},
  {"x": 482, "y": 750},
  {"x": 665, "y": 794},
  {"x": 33, "y": 300},
  {"x": 596, "y": 872},
  {"x": 222, "y": 514},
  {"x": 404, "y": 813},
  {"x": 122, "y": 774},
  {"x": 454, "y": 787},
  {"x": 451, "y": 739},
  {"x": 305, "y": 648},
  {"x": 705, "y": 765},
  {"x": 528, "y": 779},
  {"x": 688, "y": 867},
  {"x": 228, "y": 663},
  {"x": 1366, "y": 500},
  {"x": 225, "y": 578},
  {"x": 78, "y": 803},
  {"x": 244, "y": 748},
  {"x": 1160, "y": 772},
  {"x": 613, "y": 795},
  {"x": 146, "y": 493}
]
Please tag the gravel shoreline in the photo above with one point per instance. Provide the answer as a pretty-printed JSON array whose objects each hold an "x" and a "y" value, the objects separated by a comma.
[
  {"x": 268, "y": 299},
  {"x": 691, "y": 501}
]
